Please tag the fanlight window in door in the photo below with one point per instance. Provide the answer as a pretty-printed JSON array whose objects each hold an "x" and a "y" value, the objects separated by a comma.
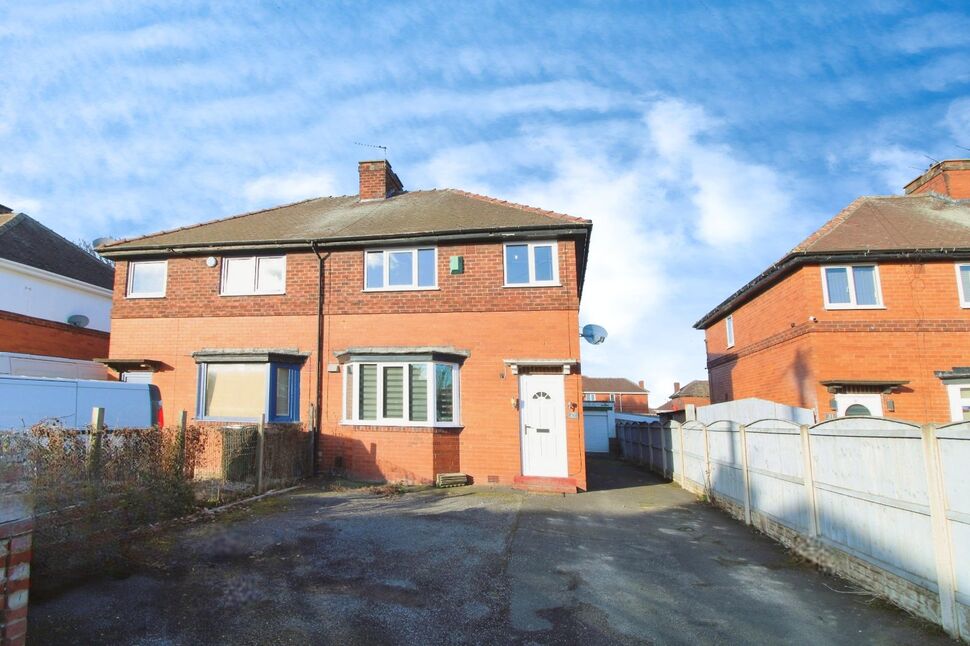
[
  {"x": 541, "y": 395},
  {"x": 857, "y": 409}
]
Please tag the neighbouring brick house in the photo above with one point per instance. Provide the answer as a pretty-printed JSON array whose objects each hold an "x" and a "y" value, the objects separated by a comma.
[
  {"x": 421, "y": 332},
  {"x": 627, "y": 397},
  {"x": 696, "y": 393},
  {"x": 55, "y": 300},
  {"x": 868, "y": 315}
]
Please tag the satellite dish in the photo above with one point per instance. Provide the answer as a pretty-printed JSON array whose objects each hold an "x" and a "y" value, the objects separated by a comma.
[
  {"x": 595, "y": 334},
  {"x": 98, "y": 242},
  {"x": 78, "y": 320}
]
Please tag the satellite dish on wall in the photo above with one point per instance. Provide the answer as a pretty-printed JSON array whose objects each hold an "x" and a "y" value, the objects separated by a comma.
[
  {"x": 78, "y": 320},
  {"x": 101, "y": 241},
  {"x": 595, "y": 334}
]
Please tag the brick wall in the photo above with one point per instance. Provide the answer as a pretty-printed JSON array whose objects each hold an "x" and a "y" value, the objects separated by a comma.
[
  {"x": 31, "y": 335},
  {"x": 473, "y": 311},
  {"x": 15, "y": 553},
  {"x": 625, "y": 403},
  {"x": 782, "y": 356}
]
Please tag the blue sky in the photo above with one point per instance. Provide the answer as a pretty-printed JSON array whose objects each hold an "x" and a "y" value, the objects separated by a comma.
[{"x": 704, "y": 139}]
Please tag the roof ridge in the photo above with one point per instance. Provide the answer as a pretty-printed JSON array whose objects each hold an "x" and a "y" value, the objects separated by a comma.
[
  {"x": 217, "y": 220},
  {"x": 522, "y": 207}
]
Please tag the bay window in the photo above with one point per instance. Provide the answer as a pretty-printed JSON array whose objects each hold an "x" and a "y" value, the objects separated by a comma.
[{"x": 401, "y": 393}]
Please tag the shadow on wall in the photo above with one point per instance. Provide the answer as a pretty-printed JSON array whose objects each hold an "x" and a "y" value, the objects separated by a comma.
[{"x": 798, "y": 373}]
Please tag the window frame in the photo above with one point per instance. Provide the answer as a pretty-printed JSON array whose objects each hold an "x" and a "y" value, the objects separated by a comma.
[
  {"x": 131, "y": 275},
  {"x": 532, "y": 263},
  {"x": 729, "y": 330},
  {"x": 853, "y": 304},
  {"x": 352, "y": 417},
  {"x": 964, "y": 298},
  {"x": 223, "y": 270},
  {"x": 385, "y": 274},
  {"x": 955, "y": 400},
  {"x": 269, "y": 399}
]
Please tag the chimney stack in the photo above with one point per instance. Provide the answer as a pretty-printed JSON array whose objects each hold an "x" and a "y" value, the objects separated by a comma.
[
  {"x": 676, "y": 387},
  {"x": 377, "y": 180},
  {"x": 640, "y": 383},
  {"x": 950, "y": 178}
]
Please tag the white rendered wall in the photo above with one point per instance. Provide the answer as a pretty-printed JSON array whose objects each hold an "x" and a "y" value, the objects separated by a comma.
[{"x": 44, "y": 295}]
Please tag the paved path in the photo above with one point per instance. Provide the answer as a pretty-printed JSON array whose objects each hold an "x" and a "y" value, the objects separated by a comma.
[{"x": 634, "y": 561}]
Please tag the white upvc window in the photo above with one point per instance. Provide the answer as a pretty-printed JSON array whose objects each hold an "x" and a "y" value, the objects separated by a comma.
[
  {"x": 959, "y": 395},
  {"x": 531, "y": 264},
  {"x": 147, "y": 279},
  {"x": 401, "y": 269},
  {"x": 414, "y": 393},
  {"x": 850, "y": 287},
  {"x": 252, "y": 275},
  {"x": 729, "y": 329},
  {"x": 963, "y": 283}
]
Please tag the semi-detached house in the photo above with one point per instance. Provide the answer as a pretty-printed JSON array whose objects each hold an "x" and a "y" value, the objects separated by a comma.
[
  {"x": 870, "y": 315},
  {"x": 416, "y": 333}
]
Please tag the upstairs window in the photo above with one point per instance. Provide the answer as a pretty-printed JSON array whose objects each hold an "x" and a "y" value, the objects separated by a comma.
[
  {"x": 253, "y": 275},
  {"x": 963, "y": 284},
  {"x": 421, "y": 393},
  {"x": 729, "y": 328},
  {"x": 401, "y": 269},
  {"x": 147, "y": 279},
  {"x": 531, "y": 264},
  {"x": 851, "y": 287}
]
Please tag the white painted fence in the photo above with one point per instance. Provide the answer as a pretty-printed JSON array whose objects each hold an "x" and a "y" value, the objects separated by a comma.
[{"x": 881, "y": 502}]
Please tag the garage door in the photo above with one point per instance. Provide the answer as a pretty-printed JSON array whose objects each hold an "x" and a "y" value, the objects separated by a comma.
[{"x": 597, "y": 429}]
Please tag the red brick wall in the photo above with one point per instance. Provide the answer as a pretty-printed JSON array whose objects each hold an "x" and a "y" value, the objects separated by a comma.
[
  {"x": 471, "y": 310},
  {"x": 31, "y": 335},
  {"x": 15, "y": 554},
  {"x": 626, "y": 403},
  {"x": 782, "y": 356}
]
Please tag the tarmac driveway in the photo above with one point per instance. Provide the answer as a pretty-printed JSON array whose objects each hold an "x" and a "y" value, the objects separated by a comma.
[{"x": 636, "y": 560}]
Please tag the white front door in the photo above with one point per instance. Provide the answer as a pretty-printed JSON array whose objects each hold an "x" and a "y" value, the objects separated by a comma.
[
  {"x": 867, "y": 405},
  {"x": 542, "y": 413}
]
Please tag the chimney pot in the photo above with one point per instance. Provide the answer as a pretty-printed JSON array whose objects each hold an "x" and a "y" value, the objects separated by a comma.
[{"x": 377, "y": 180}]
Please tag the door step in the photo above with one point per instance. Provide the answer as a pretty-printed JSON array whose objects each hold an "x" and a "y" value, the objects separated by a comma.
[{"x": 540, "y": 484}]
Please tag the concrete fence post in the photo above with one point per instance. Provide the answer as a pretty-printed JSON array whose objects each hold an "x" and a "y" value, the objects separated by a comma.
[
  {"x": 683, "y": 467},
  {"x": 743, "y": 438},
  {"x": 663, "y": 449},
  {"x": 942, "y": 548},
  {"x": 708, "y": 489},
  {"x": 809, "y": 481},
  {"x": 260, "y": 450},
  {"x": 94, "y": 443}
]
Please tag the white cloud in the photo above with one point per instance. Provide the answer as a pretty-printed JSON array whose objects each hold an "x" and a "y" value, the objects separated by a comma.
[
  {"x": 896, "y": 166},
  {"x": 270, "y": 190},
  {"x": 932, "y": 31},
  {"x": 958, "y": 122}
]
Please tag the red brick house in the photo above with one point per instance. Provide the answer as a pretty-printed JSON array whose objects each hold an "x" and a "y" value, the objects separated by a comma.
[
  {"x": 868, "y": 315},
  {"x": 696, "y": 393},
  {"x": 55, "y": 298},
  {"x": 419, "y": 332},
  {"x": 627, "y": 397}
]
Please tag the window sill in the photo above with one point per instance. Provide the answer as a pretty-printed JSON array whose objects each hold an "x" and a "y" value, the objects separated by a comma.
[
  {"x": 254, "y": 294},
  {"x": 520, "y": 285},
  {"x": 390, "y": 426},
  {"x": 854, "y": 307},
  {"x": 143, "y": 296},
  {"x": 400, "y": 289}
]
